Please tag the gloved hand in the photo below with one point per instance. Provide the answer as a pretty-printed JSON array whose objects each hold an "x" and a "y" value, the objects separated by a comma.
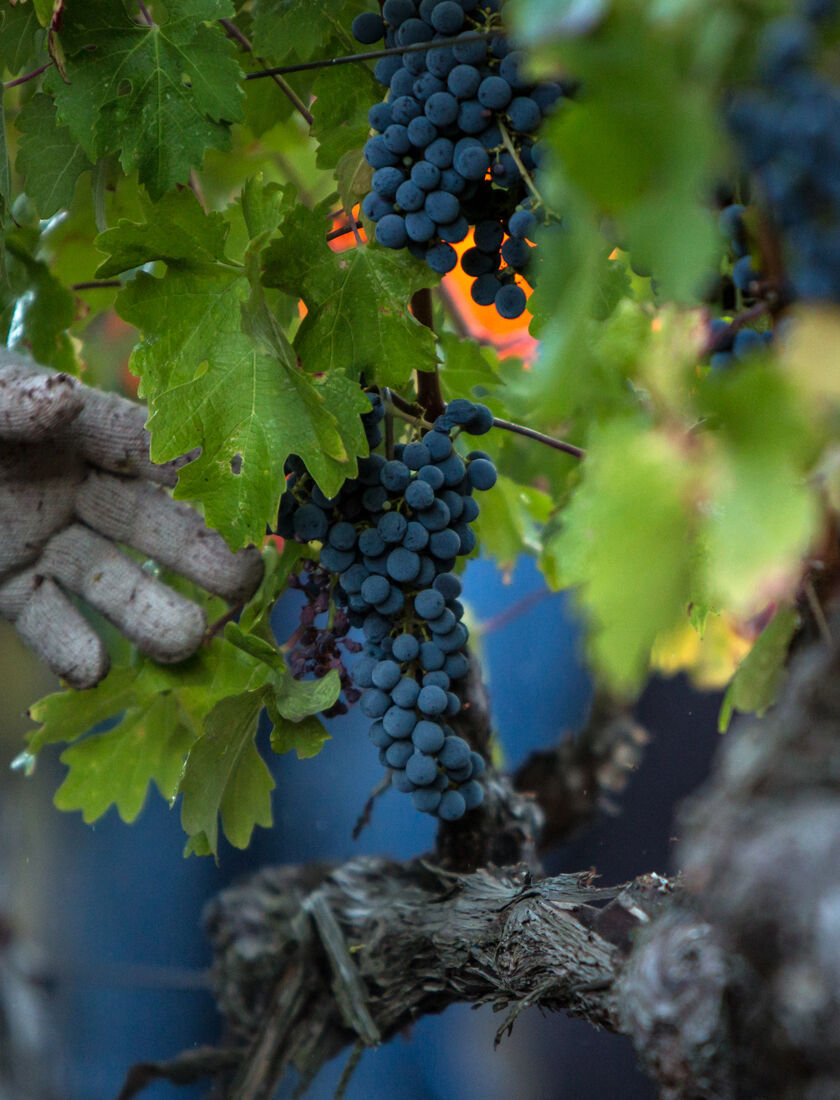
[{"x": 76, "y": 478}]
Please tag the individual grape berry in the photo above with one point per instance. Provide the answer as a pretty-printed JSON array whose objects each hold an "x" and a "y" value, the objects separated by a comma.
[
  {"x": 475, "y": 262},
  {"x": 444, "y": 544},
  {"x": 456, "y": 666},
  {"x": 442, "y": 257},
  {"x": 405, "y": 108},
  {"x": 405, "y": 648},
  {"x": 391, "y": 231},
  {"x": 398, "y": 722},
  {"x": 452, "y": 805},
  {"x": 374, "y": 703},
  {"x": 376, "y": 589},
  {"x": 310, "y": 523},
  {"x": 522, "y": 223},
  {"x": 336, "y": 561},
  {"x": 416, "y": 537},
  {"x": 375, "y": 628},
  {"x": 435, "y": 518},
  {"x": 399, "y": 780},
  {"x": 425, "y": 175},
  {"x": 420, "y": 495},
  {"x": 405, "y": 692},
  {"x": 440, "y": 60},
  {"x": 403, "y": 565},
  {"x": 426, "y": 800},
  {"x": 421, "y": 769},
  {"x": 494, "y": 92},
  {"x": 368, "y": 27},
  {"x": 432, "y": 656},
  {"x": 463, "y": 81},
  {"x": 510, "y": 301},
  {"x": 472, "y": 161},
  {"x": 429, "y": 604},
  {"x": 455, "y": 753},
  {"x": 377, "y": 153},
  {"x": 399, "y": 754},
  {"x": 419, "y": 226},
  {"x": 515, "y": 252},
  {"x": 362, "y": 671},
  {"x": 447, "y": 17},
  {"x": 431, "y": 701},
  {"x": 436, "y": 679},
  {"x": 379, "y": 116},
  {"x": 428, "y": 736},
  {"x": 371, "y": 543},
  {"x": 452, "y": 233},
  {"x": 546, "y": 96},
  {"x": 378, "y": 736},
  {"x": 481, "y": 474},
  {"x": 413, "y": 32},
  {"x": 391, "y": 528},
  {"x": 470, "y": 53},
  {"x": 448, "y": 585},
  {"x": 385, "y": 68},
  {"x": 402, "y": 83},
  {"x": 441, "y": 109},
  {"x": 524, "y": 114},
  {"x": 472, "y": 794},
  {"x": 396, "y": 12},
  {"x": 432, "y": 474}
]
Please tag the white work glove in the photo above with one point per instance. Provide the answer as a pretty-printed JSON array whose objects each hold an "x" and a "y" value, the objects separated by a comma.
[{"x": 76, "y": 478}]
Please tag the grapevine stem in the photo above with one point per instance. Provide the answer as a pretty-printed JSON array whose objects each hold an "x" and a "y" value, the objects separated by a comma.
[
  {"x": 372, "y": 55},
  {"x": 27, "y": 76},
  {"x": 144, "y": 11},
  {"x": 549, "y": 441},
  {"x": 518, "y": 162},
  {"x": 428, "y": 382},
  {"x": 343, "y": 230},
  {"x": 97, "y": 284},
  {"x": 234, "y": 32}
]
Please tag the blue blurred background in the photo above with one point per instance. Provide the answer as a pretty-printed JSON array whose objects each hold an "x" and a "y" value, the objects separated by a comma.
[{"x": 115, "y": 910}]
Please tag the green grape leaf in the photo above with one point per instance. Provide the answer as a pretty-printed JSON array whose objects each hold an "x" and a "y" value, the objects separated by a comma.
[
  {"x": 226, "y": 777},
  {"x": 67, "y": 715},
  {"x": 175, "y": 230},
  {"x": 300, "y": 28},
  {"x": 357, "y": 318},
  {"x": 762, "y": 513},
  {"x": 50, "y": 160},
  {"x": 5, "y": 172},
  {"x": 218, "y": 371},
  {"x": 352, "y": 178},
  {"x": 35, "y": 309},
  {"x": 21, "y": 38},
  {"x": 307, "y": 737},
  {"x": 759, "y": 677},
  {"x": 510, "y": 520},
  {"x": 469, "y": 369},
  {"x": 340, "y": 112},
  {"x": 149, "y": 744},
  {"x": 297, "y": 699},
  {"x": 157, "y": 96},
  {"x": 624, "y": 542}
]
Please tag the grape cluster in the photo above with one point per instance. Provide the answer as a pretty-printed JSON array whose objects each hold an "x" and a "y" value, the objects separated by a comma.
[
  {"x": 788, "y": 130},
  {"x": 441, "y": 163},
  {"x": 389, "y": 541}
]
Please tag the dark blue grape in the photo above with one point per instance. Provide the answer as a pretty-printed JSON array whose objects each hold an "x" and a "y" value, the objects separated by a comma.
[
  {"x": 377, "y": 153},
  {"x": 475, "y": 262},
  {"x": 481, "y": 474},
  {"x": 427, "y": 84},
  {"x": 456, "y": 639},
  {"x": 472, "y": 161},
  {"x": 378, "y": 736},
  {"x": 436, "y": 679},
  {"x": 421, "y": 769},
  {"x": 406, "y": 647},
  {"x": 336, "y": 561},
  {"x": 432, "y": 656},
  {"x": 368, "y": 27},
  {"x": 421, "y": 132},
  {"x": 393, "y": 605},
  {"x": 456, "y": 666},
  {"x": 452, "y": 806},
  {"x": 362, "y": 671},
  {"x": 396, "y": 139},
  {"x": 441, "y": 108},
  {"x": 391, "y": 528},
  {"x": 416, "y": 537},
  {"x": 466, "y": 537},
  {"x": 524, "y": 114},
  {"x": 409, "y": 196},
  {"x": 452, "y": 181},
  {"x": 432, "y": 474},
  {"x": 510, "y": 301},
  {"x": 447, "y": 17},
  {"x": 451, "y": 233},
  {"x": 488, "y": 236},
  {"x": 439, "y": 152},
  {"x": 505, "y": 172},
  {"x": 404, "y": 109},
  {"x": 516, "y": 252},
  {"x": 353, "y": 578},
  {"x": 743, "y": 274},
  {"x": 402, "y": 83},
  {"x": 395, "y": 476},
  {"x": 419, "y": 226},
  {"x": 396, "y": 12},
  {"x": 439, "y": 446},
  {"x": 429, "y": 604},
  {"x": 478, "y": 765},
  {"x": 442, "y": 207},
  {"x": 746, "y": 342},
  {"x": 441, "y": 257},
  {"x": 385, "y": 675},
  {"x": 444, "y": 544},
  {"x": 435, "y": 518},
  {"x": 440, "y": 60},
  {"x": 522, "y": 223},
  {"x": 405, "y": 693},
  {"x": 399, "y": 722},
  {"x": 491, "y": 138},
  {"x": 546, "y": 96},
  {"x": 472, "y": 794},
  {"x": 473, "y": 117},
  {"x": 426, "y": 800},
  {"x": 399, "y": 780},
  {"x": 371, "y": 542},
  {"x": 412, "y": 32},
  {"x": 374, "y": 703},
  {"x": 391, "y": 231},
  {"x": 470, "y": 511},
  {"x": 399, "y": 753},
  {"x": 416, "y": 455},
  {"x": 385, "y": 181},
  {"x": 427, "y": 736},
  {"x": 453, "y": 704},
  {"x": 403, "y": 565},
  {"x": 469, "y": 53},
  {"x": 427, "y": 571},
  {"x": 379, "y": 116},
  {"x": 453, "y": 470},
  {"x": 343, "y": 536},
  {"x": 310, "y": 523},
  {"x": 480, "y": 422},
  {"x": 375, "y": 628},
  {"x": 443, "y": 623},
  {"x": 385, "y": 68},
  {"x": 431, "y": 701},
  {"x": 415, "y": 62},
  {"x": 424, "y": 174},
  {"x": 420, "y": 495},
  {"x": 463, "y": 81},
  {"x": 494, "y": 92},
  {"x": 448, "y": 585},
  {"x": 455, "y": 753}
]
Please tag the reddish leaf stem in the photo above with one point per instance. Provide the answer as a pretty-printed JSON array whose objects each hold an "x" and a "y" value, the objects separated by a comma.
[{"x": 28, "y": 76}]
